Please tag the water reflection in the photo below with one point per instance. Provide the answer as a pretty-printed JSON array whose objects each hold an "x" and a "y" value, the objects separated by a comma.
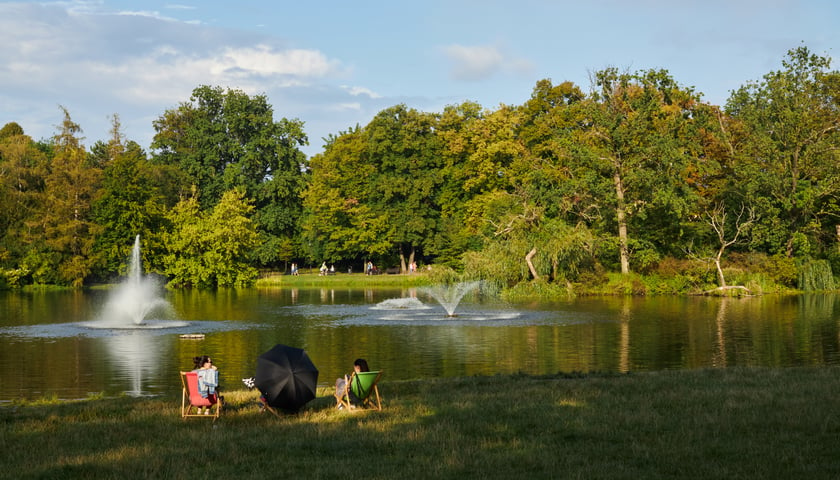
[
  {"x": 45, "y": 348},
  {"x": 136, "y": 357}
]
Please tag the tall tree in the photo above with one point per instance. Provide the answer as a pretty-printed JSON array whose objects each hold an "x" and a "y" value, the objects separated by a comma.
[
  {"x": 225, "y": 139},
  {"x": 405, "y": 152},
  {"x": 644, "y": 140},
  {"x": 129, "y": 203},
  {"x": 460, "y": 133},
  {"x": 340, "y": 221},
  {"x": 23, "y": 168},
  {"x": 788, "y": 162},
  {"x": 63, "y": 234}
]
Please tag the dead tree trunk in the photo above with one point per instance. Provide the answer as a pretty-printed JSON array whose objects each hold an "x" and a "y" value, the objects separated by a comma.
[
  {"x": 528, "y": 258},
  {"x": 717, "y": 219}
]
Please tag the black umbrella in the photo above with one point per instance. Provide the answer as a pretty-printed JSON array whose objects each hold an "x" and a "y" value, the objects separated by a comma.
[{"x": 286, "y": 377}]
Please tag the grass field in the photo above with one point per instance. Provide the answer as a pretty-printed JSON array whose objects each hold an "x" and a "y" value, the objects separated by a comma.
[
  {"x": 344, "y": 280},
  {"x": 703, "y": 424}
]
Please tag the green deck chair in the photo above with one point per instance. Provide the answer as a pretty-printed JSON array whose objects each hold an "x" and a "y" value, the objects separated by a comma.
[{"x": 361, "y": 390}]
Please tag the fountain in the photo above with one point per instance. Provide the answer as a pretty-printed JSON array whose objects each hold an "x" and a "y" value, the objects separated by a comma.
[
  {"x": 132, "y": 303},
  {"x": 449, "y": 296},
  {"x": 408, "y": 303}
]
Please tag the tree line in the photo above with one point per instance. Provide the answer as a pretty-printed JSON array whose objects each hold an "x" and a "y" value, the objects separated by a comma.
[{"x": 636, "y": 175}]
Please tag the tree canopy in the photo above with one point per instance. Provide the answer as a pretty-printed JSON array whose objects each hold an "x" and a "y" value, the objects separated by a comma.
[{"x": 634, "y": 175}]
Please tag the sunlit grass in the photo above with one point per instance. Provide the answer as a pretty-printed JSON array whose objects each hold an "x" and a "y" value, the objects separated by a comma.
[
  {"x": 353, "y": 280},
  {"x": 738, "y": 423}
]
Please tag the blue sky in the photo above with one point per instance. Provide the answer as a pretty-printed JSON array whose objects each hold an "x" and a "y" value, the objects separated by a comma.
[{"x": 336, "y": 64}]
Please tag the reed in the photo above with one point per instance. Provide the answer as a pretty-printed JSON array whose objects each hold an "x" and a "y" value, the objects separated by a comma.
[{"x": 725, "y": 423}]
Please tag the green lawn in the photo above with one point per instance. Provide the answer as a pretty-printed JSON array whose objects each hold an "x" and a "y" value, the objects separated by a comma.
[
  {"x": 705, "y": 424},
  {"x": 344, "y": 280}
]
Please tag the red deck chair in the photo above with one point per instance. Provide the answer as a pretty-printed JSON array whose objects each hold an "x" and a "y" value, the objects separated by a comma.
[{"x": 191, "y": 400}]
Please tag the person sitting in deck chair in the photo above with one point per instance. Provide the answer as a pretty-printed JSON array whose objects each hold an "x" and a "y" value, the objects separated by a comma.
[
  {"x": 208, "y": 376},
  {"x": 359, "y": 365}
]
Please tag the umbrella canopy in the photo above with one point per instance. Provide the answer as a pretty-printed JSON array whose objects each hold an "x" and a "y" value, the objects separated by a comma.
[{"x": 286, "y": 377}]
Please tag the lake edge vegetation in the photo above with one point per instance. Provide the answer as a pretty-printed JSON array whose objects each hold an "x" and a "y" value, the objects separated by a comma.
[{"x": 636, "y": 186}]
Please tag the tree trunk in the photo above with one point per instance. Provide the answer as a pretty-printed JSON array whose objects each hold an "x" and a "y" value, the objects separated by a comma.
[
  {"x": 528, "y": 258},
  {"x": 621, "y": 218},
  {"x": 837, "y": 229},
  {"x": 411, "y": 257},
  {"x": 721, "y": 279}
]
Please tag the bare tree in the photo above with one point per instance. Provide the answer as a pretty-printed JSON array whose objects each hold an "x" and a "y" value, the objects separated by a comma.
[{"x": 717, "y": 219}]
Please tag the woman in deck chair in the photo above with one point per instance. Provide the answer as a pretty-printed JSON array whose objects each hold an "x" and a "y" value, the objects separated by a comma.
[
  {"x": 359, "y": 365},
  {"x": 208, "y": 379}
]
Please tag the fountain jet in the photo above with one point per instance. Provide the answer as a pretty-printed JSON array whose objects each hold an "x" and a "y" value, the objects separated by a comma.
[
  {"x": 133, "y": 302},
  {"x": 449, "y": 296}
]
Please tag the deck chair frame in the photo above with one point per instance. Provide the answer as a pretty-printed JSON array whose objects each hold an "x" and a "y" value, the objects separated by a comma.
[
  {"x": 265, "y": 407},
  {"x": 191, "y": 400},
  {"x": 368, "y": 399}
]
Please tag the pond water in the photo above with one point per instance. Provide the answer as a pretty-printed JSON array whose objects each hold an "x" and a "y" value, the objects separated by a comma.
[{"x": 48, "y": 346}]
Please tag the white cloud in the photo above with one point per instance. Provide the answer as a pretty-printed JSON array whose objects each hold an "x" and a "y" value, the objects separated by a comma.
[
  {"x": 266, "y": 61},
  {"x": 356, "y": 91},
  {"x": 473, "y": 63},
  {"x": 352, "y": 106},
  {"x": 478, "y": 62},
  {"x": 140, "y": 64}
]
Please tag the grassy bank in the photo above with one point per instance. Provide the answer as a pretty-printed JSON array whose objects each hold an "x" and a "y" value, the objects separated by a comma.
[
  {"x": 343, "y": 280},
  {"x": 739, "y": 423}
]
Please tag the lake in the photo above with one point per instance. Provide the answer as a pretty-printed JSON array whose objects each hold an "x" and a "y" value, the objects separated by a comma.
[{"x": 49, "y": 348}]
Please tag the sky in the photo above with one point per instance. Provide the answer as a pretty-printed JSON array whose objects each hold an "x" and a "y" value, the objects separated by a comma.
[{"x": 335, "y": 65}]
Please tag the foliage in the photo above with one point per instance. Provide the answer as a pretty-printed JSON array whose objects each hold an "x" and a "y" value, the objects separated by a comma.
[
  {"x": 23, "y": 170},
  {"x": 635, "y": 175},
  {"x": 130, "y": 204},
  {"x": 211, "y": 248},
  {"x": 61, "y": 236},
  {"x": 815, "y": 275},
  {"x": 789, "y": 152},
  {"x": 538, "y": 290},
  {"x": 226, "y": 139}
]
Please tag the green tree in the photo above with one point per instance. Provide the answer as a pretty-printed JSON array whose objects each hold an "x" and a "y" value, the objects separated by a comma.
[
  {"x": 227, "y": 139},
  {"x": 787, "y": 161},
  {"x": 23, "y": 168},
  {"x": 10, "y": 129},
  {"x": 644, "y": 140},
  {"x": 61, "y": 236},
  {"x": 375, "y": 189},
  {"x": 405, "y": 152},
  {"x": 211, "y": 248},
  {"x": 129, "y": 203},
  {"x": 460, "y": 132},
  {"x": 340, "y": 220}
]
